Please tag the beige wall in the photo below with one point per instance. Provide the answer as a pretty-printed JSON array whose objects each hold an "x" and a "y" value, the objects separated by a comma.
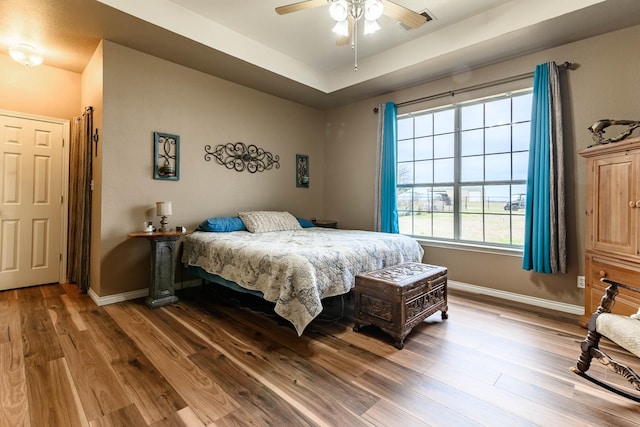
[
  {"x": 605, "y": 85},
  {"x": 143, "y": 94},
  {"x": 42, "y": 91},
  {"x": 136, "y": 94},
  {"x": 92, "y": 95}
]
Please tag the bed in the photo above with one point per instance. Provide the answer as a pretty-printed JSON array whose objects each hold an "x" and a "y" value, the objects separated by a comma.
[{"x": 295, "y": 267}]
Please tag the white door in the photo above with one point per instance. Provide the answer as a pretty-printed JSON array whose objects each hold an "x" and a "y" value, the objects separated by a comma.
[{"x": 30, "y": 201}]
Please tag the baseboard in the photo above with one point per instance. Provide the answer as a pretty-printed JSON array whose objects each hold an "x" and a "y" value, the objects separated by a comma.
[
  {"x": 510, "y": 296},
  {"x": 140, "y": 293},
  {"x": 111, "y": 299}
]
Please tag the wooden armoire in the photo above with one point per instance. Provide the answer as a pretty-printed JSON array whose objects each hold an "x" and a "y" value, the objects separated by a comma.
[{"x": 612, "y": 239}]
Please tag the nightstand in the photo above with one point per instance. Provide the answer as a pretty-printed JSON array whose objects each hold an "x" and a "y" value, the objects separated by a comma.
[
  {"x": 325, "y": 223},
  {"x": 163, "y": 247}
]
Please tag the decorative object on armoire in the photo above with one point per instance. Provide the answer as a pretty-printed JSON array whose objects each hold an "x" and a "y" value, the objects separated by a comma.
[
  {"x": 597, "y": 129},
  {"x": 612, "y": 207},
  {"x": 163, "y": 209},
  {"x": 240, "y": 156},
  {"x": 166, "y": 155},
  {"x": 302, "y": 171}
]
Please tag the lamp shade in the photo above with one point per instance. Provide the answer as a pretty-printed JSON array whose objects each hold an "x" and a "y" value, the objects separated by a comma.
[
  {"x": 163, "y": 208},
  {"x": 371, "y": 27},
  {"x": 341, "y": 28}
]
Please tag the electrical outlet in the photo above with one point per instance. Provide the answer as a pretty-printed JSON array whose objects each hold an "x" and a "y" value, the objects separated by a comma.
[{"x": 581, "y": 282}]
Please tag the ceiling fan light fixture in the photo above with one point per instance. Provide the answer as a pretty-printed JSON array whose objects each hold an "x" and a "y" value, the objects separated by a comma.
[
  {"x": 373, "y": 10},
  {"x": 371, "y": 27},
  {"x": 341, "y": 28},
  {"x": 339, "y": 10},
  {"x": 347, "y": 14},
  {"x": 26, "y": 55}
]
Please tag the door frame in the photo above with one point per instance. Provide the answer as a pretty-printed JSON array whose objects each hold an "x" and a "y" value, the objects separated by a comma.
[{"x": 64, "y": 207}]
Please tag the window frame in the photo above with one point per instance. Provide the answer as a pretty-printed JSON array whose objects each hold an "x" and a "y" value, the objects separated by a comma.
[{"x": 457, "y": 184}]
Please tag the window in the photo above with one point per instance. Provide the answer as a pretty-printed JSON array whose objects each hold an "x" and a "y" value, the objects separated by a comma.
[{"x": 462, "y": 171}]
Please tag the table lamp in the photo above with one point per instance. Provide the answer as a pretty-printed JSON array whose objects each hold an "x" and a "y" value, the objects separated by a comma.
[{"x": 163, "y": 209}]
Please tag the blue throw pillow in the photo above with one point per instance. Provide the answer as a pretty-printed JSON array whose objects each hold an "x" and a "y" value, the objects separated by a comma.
[
  {"x": 222, "y": 224},
  {"x": 305, "y": 223}
]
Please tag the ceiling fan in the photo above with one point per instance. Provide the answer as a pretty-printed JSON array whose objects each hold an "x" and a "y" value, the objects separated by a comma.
[
  {"x": 393, "y": 10},
  {"x": 347, "y": 13}
]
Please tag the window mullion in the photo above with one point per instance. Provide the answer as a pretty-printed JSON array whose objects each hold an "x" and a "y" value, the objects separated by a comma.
[{"x": 457, "y": 175}]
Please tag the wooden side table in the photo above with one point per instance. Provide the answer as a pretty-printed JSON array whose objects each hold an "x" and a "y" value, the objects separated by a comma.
[
  {"x": 163, "y": 247},
  {"x": 325, "y": 223}
]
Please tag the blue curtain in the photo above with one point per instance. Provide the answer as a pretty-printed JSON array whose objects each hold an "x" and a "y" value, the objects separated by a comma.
[
  {"x": 386, "y": 214},
  {"x": 545, "y": 229}
]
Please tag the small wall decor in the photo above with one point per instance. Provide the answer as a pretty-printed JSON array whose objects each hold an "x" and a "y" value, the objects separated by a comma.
[
  {"x": 239, "y": 156},
  {"x": 302, "y": 171},
  {"x": 166, "y": 155}
]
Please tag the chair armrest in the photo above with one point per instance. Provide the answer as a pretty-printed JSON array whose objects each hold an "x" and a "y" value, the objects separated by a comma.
[
  {"x": 620, "y": 285},
  {"x": 608, "y": 300}
]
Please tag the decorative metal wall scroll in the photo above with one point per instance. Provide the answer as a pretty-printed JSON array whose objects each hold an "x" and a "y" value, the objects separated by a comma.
[
  {"x": 166, "y": 154},
  {"x": 302, "y": 171},
  {"x": 239, "y": 156}
]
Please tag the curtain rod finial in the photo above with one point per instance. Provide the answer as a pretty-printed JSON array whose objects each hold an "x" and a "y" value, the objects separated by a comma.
[{"x": 568, "y": 65}]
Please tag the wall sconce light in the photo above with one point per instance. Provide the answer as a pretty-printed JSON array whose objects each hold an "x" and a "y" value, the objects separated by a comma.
[
  {"x": 163, "y": 209},
  {"x": 26, "y": 55}
]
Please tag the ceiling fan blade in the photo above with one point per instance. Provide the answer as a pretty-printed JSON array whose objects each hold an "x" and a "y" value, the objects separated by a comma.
[
  {"x": 346, "y": 40},
  {"x": 403, "y": 15},
  {"x": 294, "y": 7}
]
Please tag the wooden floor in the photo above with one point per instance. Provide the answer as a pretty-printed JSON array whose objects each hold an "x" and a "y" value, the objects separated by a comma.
[{"x": 207, "y": 361}]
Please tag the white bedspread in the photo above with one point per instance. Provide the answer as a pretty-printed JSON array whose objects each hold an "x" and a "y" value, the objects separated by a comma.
[{"x": 296, "y": 269}]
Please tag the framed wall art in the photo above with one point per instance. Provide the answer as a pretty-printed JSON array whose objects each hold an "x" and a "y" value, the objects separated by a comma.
[
  {"x": 166, "y": 156},
  {"x": 302, "y": 171}
]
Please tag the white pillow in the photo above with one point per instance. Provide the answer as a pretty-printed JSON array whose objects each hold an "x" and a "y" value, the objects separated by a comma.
[
  {"x": 263, "y": 221},
  {"x": 637, "y": 315}
]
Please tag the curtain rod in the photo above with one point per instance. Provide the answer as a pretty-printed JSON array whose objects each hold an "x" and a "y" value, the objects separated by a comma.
[{"x": 566, "y": 65}]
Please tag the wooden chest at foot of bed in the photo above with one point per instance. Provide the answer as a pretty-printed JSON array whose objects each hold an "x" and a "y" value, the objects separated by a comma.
[{"x": 399, "y": 297}]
